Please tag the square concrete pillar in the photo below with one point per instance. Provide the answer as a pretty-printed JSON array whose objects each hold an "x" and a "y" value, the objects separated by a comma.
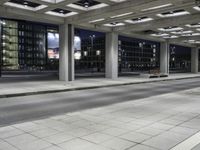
[
  {"x": 195, "y": 60},
  {"x": 66, "y": 49},
  {"x": 164, "y": 58},
  {"x": 1, "y": 51},
  {"x": 112, "y": 55}
]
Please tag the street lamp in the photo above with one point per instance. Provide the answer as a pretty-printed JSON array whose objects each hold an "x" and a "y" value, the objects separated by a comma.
[{"x": 92, "y": 40}]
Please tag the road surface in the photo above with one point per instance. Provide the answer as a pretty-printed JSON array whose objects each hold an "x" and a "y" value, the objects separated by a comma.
[{"x": 27, "y": 108}]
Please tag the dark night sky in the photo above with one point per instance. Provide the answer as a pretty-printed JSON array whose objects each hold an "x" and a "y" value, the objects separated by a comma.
[
  {"x": 86, "y": 33},
  {"x": 181, "y": 49}
]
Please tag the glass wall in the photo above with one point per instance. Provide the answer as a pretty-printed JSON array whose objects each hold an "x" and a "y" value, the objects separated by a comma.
[
  {"x": 137, "y": 56},
  {"x": 180, "y": 59},
  {"x": 89, "y": 53},
  {"x": 52, "y": 49},
  {"x": 10, "y": 57},
  {"x": 32, "y": 46},
  {"x": 27, "y": 46}
]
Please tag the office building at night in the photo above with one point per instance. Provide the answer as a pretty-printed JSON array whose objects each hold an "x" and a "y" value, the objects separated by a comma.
[{"x": 91, "y": 38}]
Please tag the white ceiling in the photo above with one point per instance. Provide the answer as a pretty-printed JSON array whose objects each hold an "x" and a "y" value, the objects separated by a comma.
[{"x": 153, "y": 19}]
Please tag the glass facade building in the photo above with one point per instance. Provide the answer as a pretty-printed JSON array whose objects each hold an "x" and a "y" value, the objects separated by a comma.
[
  {"x": 138, "y": 56},
  {"x": 89, "y": 53},
  {"x": 34, "y": 47},
  {"x": 180, "y": 59},
  {"x": 25, "y": 46}
]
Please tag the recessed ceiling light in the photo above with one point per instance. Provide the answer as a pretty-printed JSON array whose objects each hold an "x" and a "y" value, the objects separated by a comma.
[
  {"x": 61, "y": 13},
  {"x": 114, "y": 24},
  {"x": 171, "y": 37},
  {"x": 157, "y": 7},
  {"x": 118, "y": 1},
  {"x": 173, "y": 13},
  {"x": 182, "y": 32},
  {"x": 170, "y": 29},
  {"x": 191, "y": 41},
  {"x": 25, "y": 5},
  {"x": 159, "y": 34},
  {"x": 139, "y": 20},
  {"x": 195, "y": 25},
  {"x": 97, "y": 20},
  {"x": 191, "y": 34},
  {"x": 53, "y": 1},
  {"x": 87, "y": 5},
  {"x": 197, "y": 8},
  {"x": 121, "y": 15}
]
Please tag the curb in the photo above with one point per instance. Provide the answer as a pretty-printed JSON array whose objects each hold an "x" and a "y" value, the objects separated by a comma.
[{"x": 87, "y": 88}]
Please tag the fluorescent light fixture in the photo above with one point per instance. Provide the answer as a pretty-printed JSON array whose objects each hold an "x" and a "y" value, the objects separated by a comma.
[
  {"x": 170, "y": 29},
  {"x": 97, "y": 20},
  {"x": 118, "y": 1},
  {"x": 197, "y": 25},
  {"x": 53, "y": 1},
  {"x": 89, "y": 8},
  {"x": 58, "y": 1},
  {"x": 25, "y": 6},
  {"x": 114, "y": 24},
  {"x": 182, "y": 32},
  {"x": 191, "y": 41},
  {"x": 121, "y": 15},
  {"x": 49, "y": 1},
  {"x": 157, "y": 7},
  {"x": 159, "y": 34},
  {"x": 197, "y": 42},
  {"x": 197, "y": 8},
  {"x": 139, "y": 20},
  {"x": 170, "y": 37},
  {"x": 192, "y": 34},
  {"x": 60, "y": 14},
  {"x": 173, "y": 14}
]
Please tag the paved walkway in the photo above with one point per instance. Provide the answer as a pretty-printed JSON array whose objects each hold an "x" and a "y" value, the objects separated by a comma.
[
  {"x": 11, "y": 89},
  {"x": 157, "y": 123}
]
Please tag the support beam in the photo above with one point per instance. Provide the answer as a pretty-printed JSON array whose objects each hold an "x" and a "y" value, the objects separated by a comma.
[
  {"x": 164, "y": 58},
  {"x": 112, "y": 55},
  {"x": 195, "y": 60},
  {"x": 66, "y": 60}
]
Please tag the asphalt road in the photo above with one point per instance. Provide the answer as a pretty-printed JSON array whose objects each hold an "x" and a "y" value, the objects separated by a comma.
[{"x": 27, "y": 108}]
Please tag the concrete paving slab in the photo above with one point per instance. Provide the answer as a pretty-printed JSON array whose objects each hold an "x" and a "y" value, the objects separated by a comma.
[{"x": 114, "y": 127}]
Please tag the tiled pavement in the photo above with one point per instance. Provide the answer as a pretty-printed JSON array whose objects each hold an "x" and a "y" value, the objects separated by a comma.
[{"x": 155, "y": 123}]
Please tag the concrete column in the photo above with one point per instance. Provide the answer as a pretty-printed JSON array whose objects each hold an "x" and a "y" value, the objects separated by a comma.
[
  {"x": 195, "y": 60},
  {"x": 66, "y": 46},
  {"x": 164, "y": 58},
  {"x": 1, "y": 49},
  {"x": 112, "y": 55}
]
